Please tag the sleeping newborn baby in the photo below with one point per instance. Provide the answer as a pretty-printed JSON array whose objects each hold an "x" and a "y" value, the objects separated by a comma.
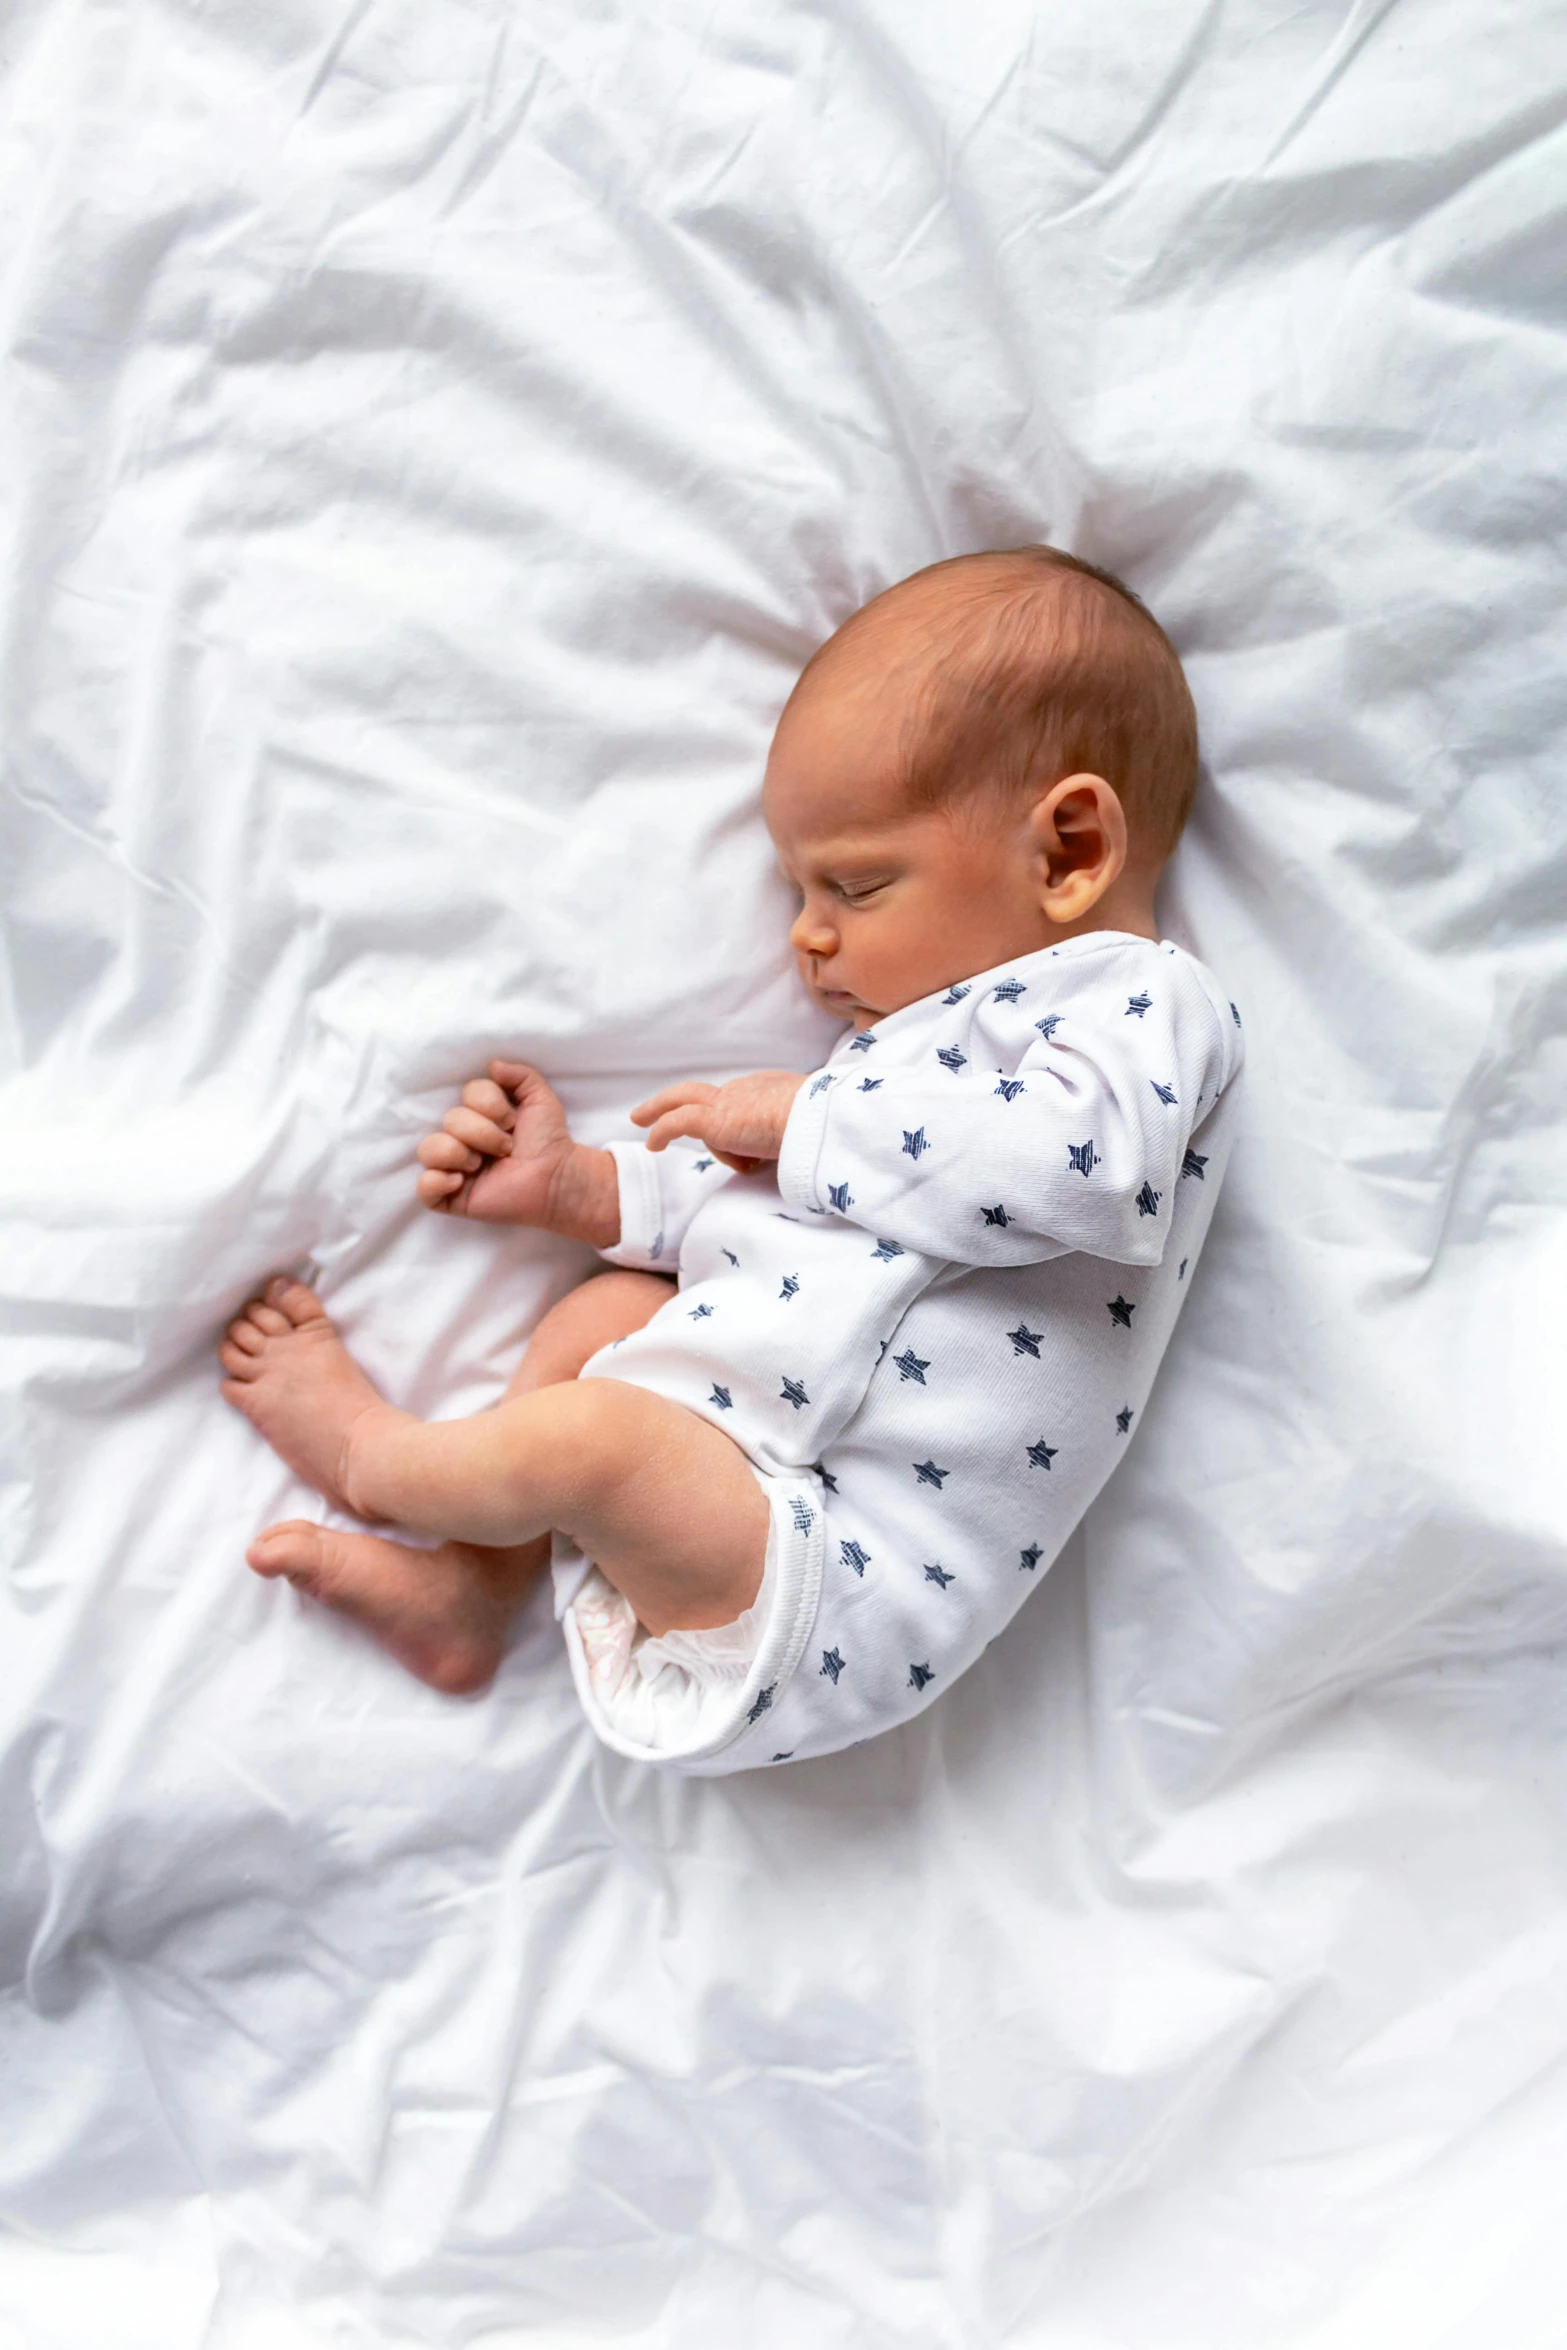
[{"x": 922, "y": 1291}]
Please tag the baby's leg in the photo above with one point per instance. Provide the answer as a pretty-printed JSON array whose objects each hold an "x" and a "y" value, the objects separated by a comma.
[{"x": 444, "y": 1613}]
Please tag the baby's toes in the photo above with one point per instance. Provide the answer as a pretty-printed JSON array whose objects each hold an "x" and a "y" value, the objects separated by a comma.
[
  {"x": 295, "y": 1301},
  {"x": 242, "y": 1332},
  {"x": 237, "y": 1363}
]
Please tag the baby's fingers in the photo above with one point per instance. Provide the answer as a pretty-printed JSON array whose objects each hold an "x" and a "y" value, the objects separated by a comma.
[
  {"x": 435, "y": 1189},
  {"x": 444, "y": 1154},
  {"x": 485, "y": 1096},
  {"x": 479, "y": 1133},
  {"x": 674, "y": 1123},
  {"x": 672, "y": 1097}
]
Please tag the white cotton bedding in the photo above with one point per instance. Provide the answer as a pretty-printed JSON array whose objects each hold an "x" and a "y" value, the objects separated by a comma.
[{"x": 434, "y": 435}]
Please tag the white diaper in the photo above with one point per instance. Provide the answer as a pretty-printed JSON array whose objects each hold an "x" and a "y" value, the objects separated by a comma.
[{"x": 690, "y": 1692}]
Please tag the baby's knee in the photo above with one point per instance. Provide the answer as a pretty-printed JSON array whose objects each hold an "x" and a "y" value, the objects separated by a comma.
[{"x": 609, "y": 1306}]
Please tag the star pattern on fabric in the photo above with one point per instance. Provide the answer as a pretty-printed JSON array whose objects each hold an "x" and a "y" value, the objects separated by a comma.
[
  {"x": 928, "y": 1473},
  {"x": 869, "y": 1084},
  {"x": 722, "y": 1397},
  {"x": 863, "y": 1042},
  {"x": 702, "y": 1166},
  {"x": 730, "y": 1254},
  {"x": 950, "y": 1058},
  {"x": 919, "y": 1675},
  {"x": 1010, "y": 1088},
  {"x": 1136, "y": 1006},
  {"x": 764, "y": 1698},
  {"x": 832, "y": 1666},
  {"x": 802, "y": 1513},
  {"x": 793, "y": 1391},
  {"x": 840, "y": 1197},
  {"x": 791, "y": 1288},
  {"x": 886, "y": 1250},
  {"x": 1124, "y": 1418},
  {"x": 1193, "y": 1164},
  {"x": 1181, "y": 1275},
  {"x": 1166, "y": 1093},
  {"x": 855, "y": 1555},
  {"x": 1148, "y": 1200},
  {"x": 701, "y": 1312},
  {"x": 1080, "y": 1157},
  {"x": 1121, "y": 1311},
  {"x": 996, "y": 1215},
  {"x": 786, "y": 1756},
  {"x": 939, "y": 1576},
  {"x": 1042, "y": 1454},
  {"x": 818, "y": 1085},
  {"x": 1048, "y": 1026},
  {"x": 1008, "y": 992},
  {"x": 910, "y": 1366},
  {"x": 657, "y": 1248},
  {"x": 914, "y": 1145},
  {"x": 826, "y": 1476},
  {"x": 1025, "y": 1341},
  {"x": 955, "y": 995},
  {"x": 1028, "y": 1560},
  {"x": 1235, "y": 1016}
]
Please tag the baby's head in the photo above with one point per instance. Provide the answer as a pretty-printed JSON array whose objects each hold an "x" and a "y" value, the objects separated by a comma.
[{"x": 988, "y": 758}]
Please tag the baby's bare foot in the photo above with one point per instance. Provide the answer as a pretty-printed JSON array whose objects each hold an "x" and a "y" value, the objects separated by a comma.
[
  {"x": 442, "y": 1613},
  {"x": 297, "y": 1384}
]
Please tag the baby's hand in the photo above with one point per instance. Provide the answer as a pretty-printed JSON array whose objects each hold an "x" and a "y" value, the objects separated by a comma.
[
  {"x": 742, "y": 1123},
  {"x": 505, "y": 1156}
]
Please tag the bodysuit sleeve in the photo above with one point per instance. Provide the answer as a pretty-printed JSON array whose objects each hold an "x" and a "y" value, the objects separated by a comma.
[
  {"x": 1027, "y": 1125},
  {"x": 660, "y": 1192}
]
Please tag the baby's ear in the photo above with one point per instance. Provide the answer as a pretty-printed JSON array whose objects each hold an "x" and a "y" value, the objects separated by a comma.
[{"x": 1080, "y": 837}]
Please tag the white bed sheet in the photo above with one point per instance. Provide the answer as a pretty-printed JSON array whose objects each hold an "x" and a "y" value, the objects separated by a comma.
[{"x": 434, "y": 436}]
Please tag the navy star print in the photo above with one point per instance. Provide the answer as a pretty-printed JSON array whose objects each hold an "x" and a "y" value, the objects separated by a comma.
[
  {"x": 1181, "y": 1275},
  {"x": 1121, "y": 1312},
  {"x": 832, "y": 1666},
  {"x": 1137, "y": 1004},
  {"x": 1192, "y": 1164},
  {"x": 955, "y": 995},
  {"x": 863, "y": 1042},
  {"x": 1081, "y": 1156},
  {"x": 995, "y": 1215},
  {"x": 1025, "y": 1341},
  {"x": 914, "y": 1143},
  {"x": 886, "y": 1250},
  {"x": 1148, "y": 1200},
  {"x": 793, "y": 1391},
  {"x": 1166, "y": 1093},
  {"x": 1235, "y": 1016},
  {"x": 910, "y": 1365},
  {"x": 1048, "y": 1026},
  {"x": 869, "y": 1084},
  {"x": 826, "y": 1476},
  {"x": 839, "y": 1197},
  {"x": 1028, "y": 1560},
  {"x": 701, "y": 1312},
  {"x": 928, "y": 1473},
  {"x": 764, "y": 1698},
  {"x": 1010, "y": 1088},
  {"x": 702, "y": 1166},
  {"x": 919, "y": 1675},
  {"x": 791, "y": 1286},
  {"x": 939, "y": 1576},
  {"x": 1008, "y": 992},
  {"x": 722, "y": 1397},
  {"x": 950, "y": 1058},
  {"x": 853, "y": 1555},
  {"x": 818, "y": 1085},
  {"x": 1042, "y": 1454},
  {"x": 1123, "y": 1418},
  {"x": 802, "y": 1513},
  {"x": 730, "y": 1254}
]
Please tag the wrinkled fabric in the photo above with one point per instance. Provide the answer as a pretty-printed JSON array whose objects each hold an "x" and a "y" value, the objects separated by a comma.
[{"x": 433, "y": 440}]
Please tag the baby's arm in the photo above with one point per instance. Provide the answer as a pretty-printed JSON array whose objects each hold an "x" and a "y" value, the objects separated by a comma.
[{"x": 506, "y": 1156}]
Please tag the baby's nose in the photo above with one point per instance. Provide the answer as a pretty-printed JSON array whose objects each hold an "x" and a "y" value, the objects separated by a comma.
[{"x": 812, "y": 936}]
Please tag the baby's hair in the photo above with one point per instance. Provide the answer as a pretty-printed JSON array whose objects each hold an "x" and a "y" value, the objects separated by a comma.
[{"x": 1030, "y": 665}]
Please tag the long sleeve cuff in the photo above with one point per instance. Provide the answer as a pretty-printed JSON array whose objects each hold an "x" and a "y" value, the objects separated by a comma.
[
  {"x": 799, "y": 1160},
  {"x": 641, "y": 1242}
]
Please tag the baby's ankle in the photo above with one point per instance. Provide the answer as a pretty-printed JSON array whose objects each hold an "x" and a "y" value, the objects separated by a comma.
[{"x": 362, "y": 1459}]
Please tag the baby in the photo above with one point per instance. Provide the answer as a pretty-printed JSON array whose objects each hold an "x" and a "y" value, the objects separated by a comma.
[{"x": 922, "y": 1291}]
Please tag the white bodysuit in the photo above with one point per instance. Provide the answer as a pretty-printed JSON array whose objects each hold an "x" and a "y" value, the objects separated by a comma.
[{"x": 932, "y": 1335}]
